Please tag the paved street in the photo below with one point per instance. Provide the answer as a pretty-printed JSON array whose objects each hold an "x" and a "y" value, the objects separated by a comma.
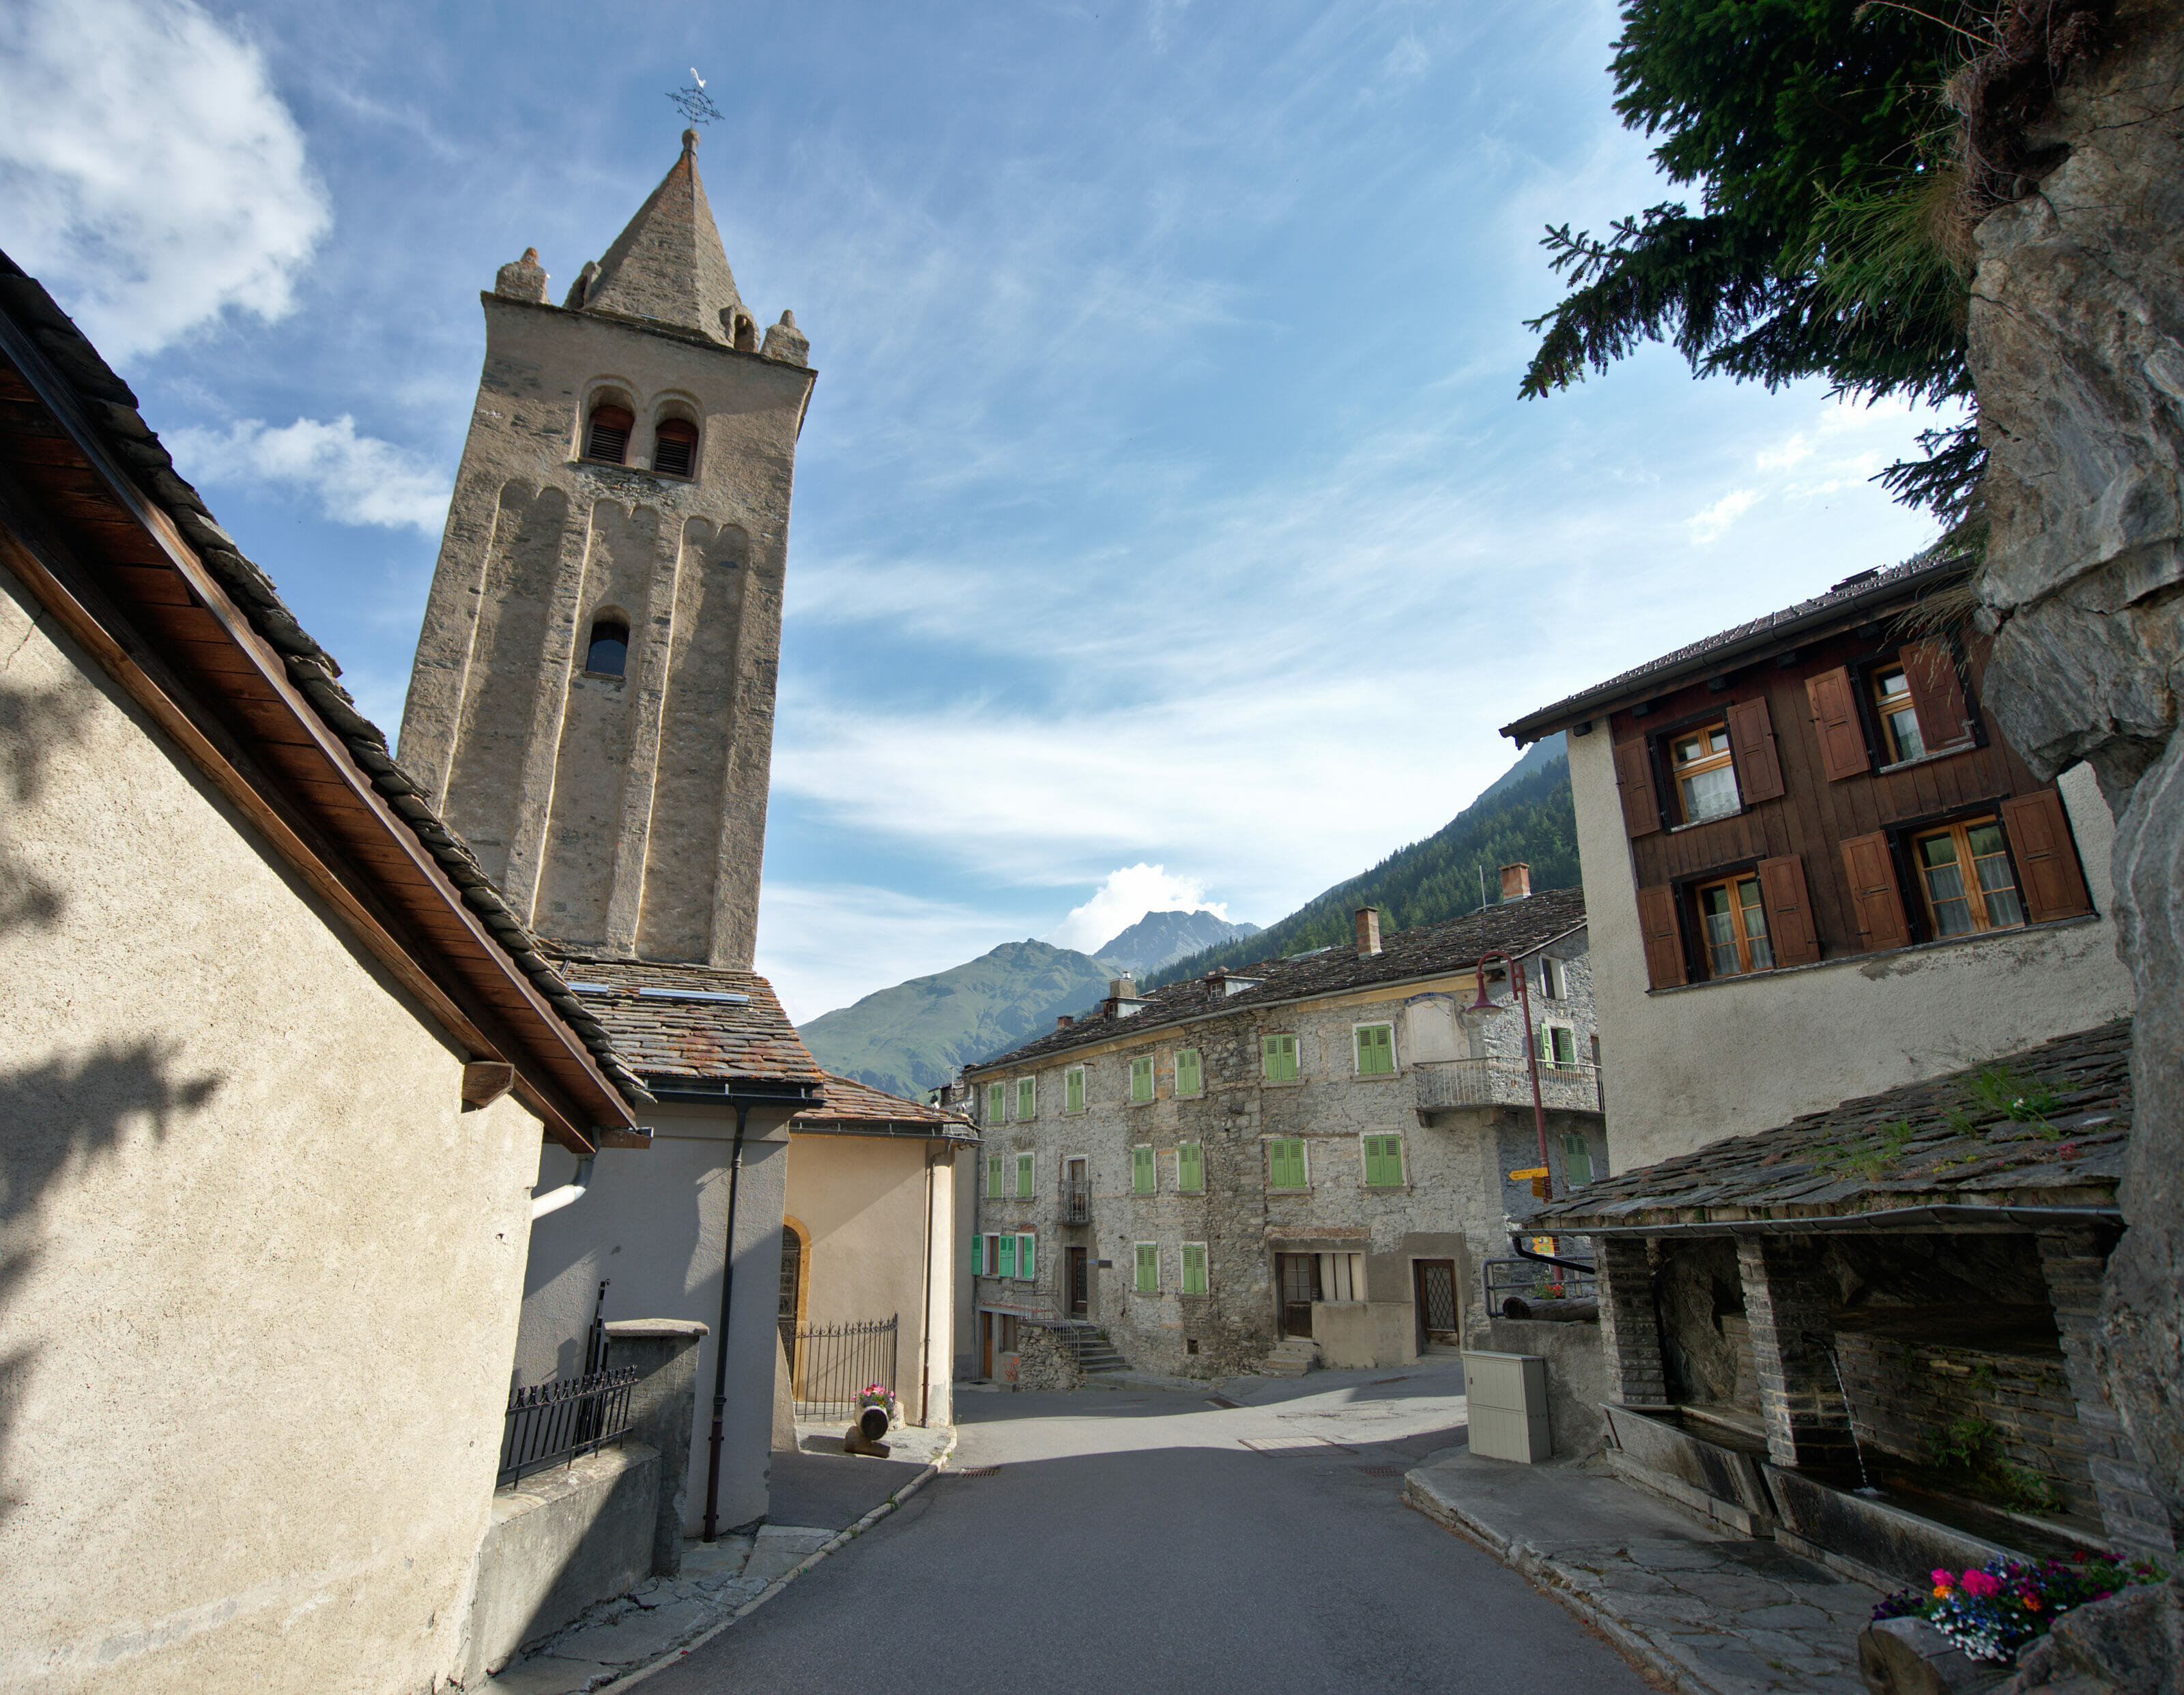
[{"x": 1131, "y": 1541}]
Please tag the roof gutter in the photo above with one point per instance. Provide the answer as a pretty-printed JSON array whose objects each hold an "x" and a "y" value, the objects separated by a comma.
[{"x": 1892, "y": 1219}]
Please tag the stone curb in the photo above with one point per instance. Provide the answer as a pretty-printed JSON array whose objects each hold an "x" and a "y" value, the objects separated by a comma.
[
  {"x": 629, "y": 1680},
  {"x": 1540, "y": 1571}
]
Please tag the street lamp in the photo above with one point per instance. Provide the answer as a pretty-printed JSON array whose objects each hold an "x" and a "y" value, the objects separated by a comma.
[{"x": 1543, "y": 1186}]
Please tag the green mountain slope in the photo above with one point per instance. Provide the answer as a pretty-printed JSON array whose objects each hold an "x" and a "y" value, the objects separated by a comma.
[
  {"x": 917, "y": 1034},
  {"x": 1526, "y": 815}
]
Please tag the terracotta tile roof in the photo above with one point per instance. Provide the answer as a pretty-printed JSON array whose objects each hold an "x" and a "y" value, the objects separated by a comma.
[
  {"x": 848, "y": 1107},
  {"x": 1868, "y": 591},
  {"x": 1961, "y": 1149},
  {"x": 671, "y": 1023},
  {"x": 1517, "y": 927}
]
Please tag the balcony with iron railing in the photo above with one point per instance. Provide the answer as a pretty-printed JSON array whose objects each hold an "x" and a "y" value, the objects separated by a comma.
[
  {"x": 1076, "y": 1200},
  {"x": 1499, "y": 1081}
]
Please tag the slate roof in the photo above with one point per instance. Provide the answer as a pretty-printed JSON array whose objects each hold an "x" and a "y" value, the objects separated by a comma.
[
  {"x": 849, "y": 1108},
  {"x": 1517, "y": 927},
  {"x": 670, "y": 1025},
  {"x": 668, "y": 265},
  {"x": 1867, "y": 591},
  {"x": 1962, "y": 1151}
]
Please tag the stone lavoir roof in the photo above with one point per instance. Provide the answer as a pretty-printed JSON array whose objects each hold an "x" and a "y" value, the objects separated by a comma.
[
  {"x": 1867, "y": 591},
  {"x": 848, "y": 1107},
  {"x": 1517, "y": 927},
  {"x": 2044, "y": 1128},
  {"x": 691, "y": 1024}
]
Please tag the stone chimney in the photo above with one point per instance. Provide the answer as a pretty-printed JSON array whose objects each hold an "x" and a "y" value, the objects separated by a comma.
[
  {"x": 1062, "y": 1021},
  {"x": 1122, "y": 988},
  {"x": 1516, "y": 882},
  {"x": 1368, "y": 931}
]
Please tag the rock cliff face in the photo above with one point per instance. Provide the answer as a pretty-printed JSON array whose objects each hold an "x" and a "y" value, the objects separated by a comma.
[{"x": 2077, "y": 350}]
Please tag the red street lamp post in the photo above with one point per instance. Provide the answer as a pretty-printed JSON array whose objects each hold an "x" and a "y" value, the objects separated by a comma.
[{"x": 1543, "y": 1186}]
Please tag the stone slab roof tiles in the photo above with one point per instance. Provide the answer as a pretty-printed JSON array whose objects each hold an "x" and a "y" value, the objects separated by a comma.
[
  {"x": 849, "y": 1108},
  {"x": 1946, "y": 1142},
  {"x": 672, "y": 1024},
  {"x": 668, "y": 265},
  {"x": 1517, "y": 927}
]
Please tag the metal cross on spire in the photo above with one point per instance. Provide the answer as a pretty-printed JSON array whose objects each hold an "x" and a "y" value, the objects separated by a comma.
[{"x": 695, "y": 105}]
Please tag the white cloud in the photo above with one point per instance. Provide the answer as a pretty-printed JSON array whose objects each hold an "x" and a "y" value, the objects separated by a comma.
[
  {"x": 1713, "y": 524},
  {"x": 824, "y": 945},
  {"x": 354, "y": 478},
  {"x": 1126, "y": 896},
  {"x": 149, "y": 174}
]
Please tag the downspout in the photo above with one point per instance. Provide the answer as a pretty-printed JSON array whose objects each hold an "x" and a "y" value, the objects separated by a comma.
[
  {"x": 721, "y": 1348},
  {"x": 925, "y": 1340},
  {"x": 554, "y": 1199}
]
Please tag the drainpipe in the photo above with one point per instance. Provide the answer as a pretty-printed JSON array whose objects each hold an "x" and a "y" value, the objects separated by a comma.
[
  {"x": 554, "y": 1199},
  {"x": 720, "y": 1347},
  {"x": 925, "y": 1338}
]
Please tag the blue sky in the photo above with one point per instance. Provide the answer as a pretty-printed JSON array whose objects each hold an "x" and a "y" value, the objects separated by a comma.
[{"x": 1168, "y": 529}]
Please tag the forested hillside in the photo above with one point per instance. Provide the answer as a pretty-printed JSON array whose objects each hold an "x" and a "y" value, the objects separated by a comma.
[{"x": 1527, "y": 815}]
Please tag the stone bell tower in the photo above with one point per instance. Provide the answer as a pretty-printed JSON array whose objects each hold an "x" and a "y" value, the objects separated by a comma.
[{"x": 592, "y": 704}]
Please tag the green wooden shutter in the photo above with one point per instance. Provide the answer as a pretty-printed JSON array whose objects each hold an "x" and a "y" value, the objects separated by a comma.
[
  {"x": 1577, "y": 1159},
  {"x": 1376, "y": 1050},
  {"x": 1148, "y": 1278},
  {"x": 1027, "y": 1098},
  {"x": 1141, "y": 1079},
  {"x": 1286, "y": 1160},
  {"x": 1143, "y": 1179},
  {"x": 1073, "y": 1090},
  {"x": 977, "y": 1256},
  {"x": 997, "y": 1104},
  {"x": 1007, "y": 1268},
  {"x": 1383, "y": 1162},
  {"x": 1026, "y": 1168},
  {"x": 993, "y": 1176},
  {"x": 1190, "y": 1166},
  {"x": 1026, "y": 1257},
  {"x": 1194, "y": 1267},
  {"x": 1190, "y": 1078},
  {"x": 1280, "y": 1058}
]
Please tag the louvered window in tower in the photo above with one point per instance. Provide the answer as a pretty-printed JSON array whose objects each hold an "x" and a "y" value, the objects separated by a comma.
[
  {"x": 675, "y": 448},
  {"x": 606, "y": 434}
]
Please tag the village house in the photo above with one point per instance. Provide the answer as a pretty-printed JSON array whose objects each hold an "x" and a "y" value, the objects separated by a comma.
[
  {"x": 1814, "y": 872},
  {"x": 1320, "y": 1148}
]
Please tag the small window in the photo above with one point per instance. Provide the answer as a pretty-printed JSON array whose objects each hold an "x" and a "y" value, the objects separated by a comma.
[
  {"x": 1285, "y": 1165},
  {"x": 1734, "y": 917},
  {"x": 1194, "y": 1267},
  {"x": 993, "y": 1255},
  {"x": 1148, "y": 1268},
  {"x": 1072, "y": 1089},
  {"x": 997, "y": 1104},
  {"x": 994, "y": 1176},
  {"x": 1376, "y": 1050},
  {"x": 1577, "y": 1159},
  {"x": 1190, "y": 1168},
  {"x": 606, "y": 434},
  {"x": 1141, "y": 1079},
  {"x": 1278, "y": 1056},
  {"x": 1383, "y": 1162},
  {"x": 675, "y": 448},
  {"x": 1190, "y": 1073},
  {"x": 1027, "y": 1259},
  {"x": 607, "y": 653},
  {"x": 1025, "y": 1164},
  {"x": 1898, "y": 714},
  {"x": 1027, "y": 1098},
  {"x": 1970, "y": 886},
  {"x": 1558, "y": 1045},
  {"x": 1705, "y": 776},
  {"x": 1554, "y": 985},
  {"x": 1144, "y": 1179}
]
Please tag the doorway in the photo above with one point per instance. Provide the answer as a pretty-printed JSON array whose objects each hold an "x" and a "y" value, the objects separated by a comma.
[
  {"x": 1080, "y": 1282},
  {"x": 1434, "y": 1287},
  {"x": 986, "y": 1346},
  {"x": 1299, "y": 1277}
]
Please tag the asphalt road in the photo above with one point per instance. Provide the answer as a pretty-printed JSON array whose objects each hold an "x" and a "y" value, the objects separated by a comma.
[{"x": 1130, "y": 1542}]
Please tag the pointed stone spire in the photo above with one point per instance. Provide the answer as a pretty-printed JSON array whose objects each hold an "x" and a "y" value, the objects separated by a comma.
[{"x": 668, "y": 266}]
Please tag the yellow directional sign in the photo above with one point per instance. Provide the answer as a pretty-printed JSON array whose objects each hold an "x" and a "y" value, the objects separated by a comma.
[{"x": 1534, "y": 1171}]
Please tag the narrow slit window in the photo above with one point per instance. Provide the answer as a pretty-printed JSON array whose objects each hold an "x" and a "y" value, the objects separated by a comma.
[
  {"x": 607, "y": 654},
  {"x": 675, "y": 448},
  {"x": 606, "y": 434}
]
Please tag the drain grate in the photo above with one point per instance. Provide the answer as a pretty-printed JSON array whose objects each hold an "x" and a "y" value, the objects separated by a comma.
[
  {"x": 976, "y": 1471},
  {"x": 1378, "y": 1381},
  {"x": 1377, "y": 1470},
  {"x": 1291, "y": 1446},
  {"x": 1221, "y": 1401}
]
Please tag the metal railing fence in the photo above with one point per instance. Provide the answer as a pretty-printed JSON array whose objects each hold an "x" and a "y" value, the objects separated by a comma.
[
  {"x": 552, "y": 1424},
  {"x": 1498, "y": 1082},
  {"x": 1533, "y": 1282},
  {"x": 830, "y": 1365},
  {"x": 1076, "y": 1201}
]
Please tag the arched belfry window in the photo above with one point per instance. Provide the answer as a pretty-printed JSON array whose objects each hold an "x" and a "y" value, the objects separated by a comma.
[
  {"x": 606, "y": 434},
  {"x": 608, "y": 655},
  {"x": 675, "y": 448}
]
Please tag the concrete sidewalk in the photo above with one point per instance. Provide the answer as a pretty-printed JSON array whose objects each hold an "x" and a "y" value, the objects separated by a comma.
[
  {"x": 1712, "y": 1612},
  {"x": 821, "y": 1498}
]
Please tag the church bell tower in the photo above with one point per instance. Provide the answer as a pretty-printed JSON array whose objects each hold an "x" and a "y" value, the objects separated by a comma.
[{"x": 592, "y": 704}]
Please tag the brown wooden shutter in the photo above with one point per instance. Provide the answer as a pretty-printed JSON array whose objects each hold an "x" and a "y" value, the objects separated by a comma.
[
  {"x": 1789, "y": 911},
  {"x": 1751, "y": 735},
  {"x": 1664, "y": 941},
  {"x": 2046, "y": 858},
  {"x": 1835, "y": 717},
  {"x": 1634, "y": 775},
  {"x": 1937, "y": 695},
  {"x": 1875, "y": 897}
]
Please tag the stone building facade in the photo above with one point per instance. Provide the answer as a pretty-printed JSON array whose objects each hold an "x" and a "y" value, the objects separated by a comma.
[{"x": 1323, "y": 1142}]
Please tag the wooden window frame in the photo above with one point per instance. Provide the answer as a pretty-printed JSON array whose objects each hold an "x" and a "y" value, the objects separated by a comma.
[
  {"x": 661, "y": 435},
  {"x": 1703, "y": 725},
  {"x": 1357, "y": 1049},
  {"x": 627, "y": 428},
  {"x": 1958, "y": 829},
  {"x": 1143, "y": 1066},
  {"x": 1890, "y": 745},
  {"x": 1073, "y": 1093},
  {"x": 993, "y": 1255},
  {"x": 1698, "y": 886},
  {"x": 1198, "y": 1065},
  {"x": 1547, "y": 1028}
]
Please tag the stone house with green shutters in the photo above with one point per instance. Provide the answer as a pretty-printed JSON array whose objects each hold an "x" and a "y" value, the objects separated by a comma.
[{"x": 1313, "y": 1147}]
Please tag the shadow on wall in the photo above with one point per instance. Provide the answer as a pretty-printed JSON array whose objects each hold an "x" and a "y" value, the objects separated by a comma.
[
  {"x": 33, "y": 722},
  {"x": 58, "y": 1117}
]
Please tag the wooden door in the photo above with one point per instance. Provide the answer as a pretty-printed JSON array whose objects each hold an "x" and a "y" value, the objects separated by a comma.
[
  {"x": 1080, "y": 1283},
  {"x": 986, "y": 1345},
  {"x": 1299, "y": 1275},
  {"x": 1435, "y": 1292}
]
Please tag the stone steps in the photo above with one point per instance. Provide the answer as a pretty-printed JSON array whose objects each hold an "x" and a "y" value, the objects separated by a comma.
[
  {"x": 1291, "y": 1357},
  {"x": 1094, "y": 1351}
]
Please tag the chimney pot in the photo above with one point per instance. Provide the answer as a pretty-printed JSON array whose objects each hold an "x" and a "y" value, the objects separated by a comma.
[
  {"x": 1516, "y": 881},
  {"x": 1063, "y": 1021},
  {"x": 1368, "y": 931}
]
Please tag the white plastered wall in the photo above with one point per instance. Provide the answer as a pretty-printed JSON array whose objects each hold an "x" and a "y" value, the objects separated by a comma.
[{"x": 1685, "y": 1067}]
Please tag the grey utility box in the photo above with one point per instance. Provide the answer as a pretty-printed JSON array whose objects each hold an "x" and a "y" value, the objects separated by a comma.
[{"x": 1508, "y": 1397}]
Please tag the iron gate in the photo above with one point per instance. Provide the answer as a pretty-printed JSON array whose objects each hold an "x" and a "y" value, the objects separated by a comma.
[{"x": 830, "y": 1365}]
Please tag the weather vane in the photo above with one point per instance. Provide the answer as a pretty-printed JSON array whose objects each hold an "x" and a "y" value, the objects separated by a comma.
[{"x": 695, "y": 105}]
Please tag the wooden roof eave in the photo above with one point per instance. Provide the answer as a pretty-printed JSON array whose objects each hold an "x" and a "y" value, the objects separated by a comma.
[{"x": 555, "y": 1075}]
